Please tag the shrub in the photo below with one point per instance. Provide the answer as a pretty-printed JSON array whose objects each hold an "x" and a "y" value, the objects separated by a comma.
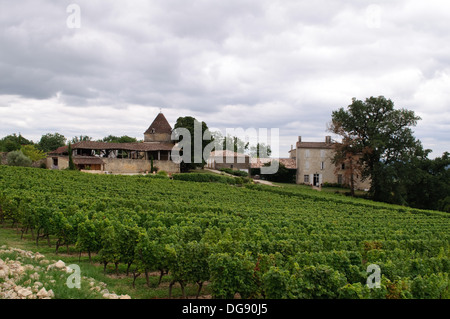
[
  {"x": 162, "y": 173},
  {"x": 234, "y": 172},
  {"x": 207, "y": 178},
  {"x": 17, "y": 158}
]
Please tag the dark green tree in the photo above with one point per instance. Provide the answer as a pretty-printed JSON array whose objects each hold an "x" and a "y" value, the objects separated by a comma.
[
  {"x": 235, "y": 144},
  {"x": 71, "y": 163},
  {"x": 428, "y": 183},
  {"x": 117, "y": 139},
  {"x": 50, "y": 142},
  {"x": 383, "y": 135},
  {"x": 197, "y": 143},
  {"x": 260, "y": 150},
  {"x": 81, "y": 138},
  {"x": 13, "y": 143}
]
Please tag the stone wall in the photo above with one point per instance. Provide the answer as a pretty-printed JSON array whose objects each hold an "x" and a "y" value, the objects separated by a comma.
[
  {"x": 319, "y": 161},
  {"x": 63, "y": 162},
  {"x": 127, "y": 166}
]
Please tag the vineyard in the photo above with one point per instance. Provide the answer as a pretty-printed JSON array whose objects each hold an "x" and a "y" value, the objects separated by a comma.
[{"x": 252, "y": 240}]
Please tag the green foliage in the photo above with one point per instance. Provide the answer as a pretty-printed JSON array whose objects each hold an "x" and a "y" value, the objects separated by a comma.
[
  {"x": 209, "y": 178},
  {"x": 162, "y": 173},
  {"x": 234, "y": 172},
  {"x": 260, "y": 150},
  {"x": 383, "y": 137},
  {"x": 71, "y": 163},
  {"x": 33, "y": 153},
  {"x": 189, "y": 123},
  {"x": 255, "y": 241},
  {"x": 315, "y": 282},
  {"x": 13, "y": 143},
  {"x": 50, "y": 142},
  {"x": 80, "y": 138},
  {"x": 17, "y": 158},
  {"x": 117, "y": 139},
  {"x": 283, "y": 175},
  {"x": 232, "y": 274}
]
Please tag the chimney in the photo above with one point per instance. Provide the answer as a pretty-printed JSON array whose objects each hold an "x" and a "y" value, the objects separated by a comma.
[
  {"x": 328, "y": 139},
  {"x": 299, "y": 139}
]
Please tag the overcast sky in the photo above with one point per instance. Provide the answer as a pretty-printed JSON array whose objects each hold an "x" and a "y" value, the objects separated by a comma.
[{"x": 235, "y": 63}]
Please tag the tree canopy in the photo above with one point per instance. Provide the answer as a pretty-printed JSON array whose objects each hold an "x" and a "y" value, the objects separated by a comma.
[
  {"x": 197, "y": 143},
  {"x": 385, "y": 140},
  {"x": 50, "y": 142}
]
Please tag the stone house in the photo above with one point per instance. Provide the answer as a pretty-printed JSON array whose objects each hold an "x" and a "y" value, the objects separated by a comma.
[
  {"x": 315, "y": 166},
  {"x": 121, "y": 158}
]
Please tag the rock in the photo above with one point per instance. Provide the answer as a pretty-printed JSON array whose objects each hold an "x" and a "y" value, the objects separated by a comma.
[
  {"x": 60, "y": 264},
  {"x": 24, "y": 292},
  {"x": 104, "y": 291},
  {"x": 35, "y": 276},
  {"x": 39, "y": 256},
  {"x": 125, "y": 297},
  {"x": 51, "y": 294},
  {"x": 43, "y": 293}
]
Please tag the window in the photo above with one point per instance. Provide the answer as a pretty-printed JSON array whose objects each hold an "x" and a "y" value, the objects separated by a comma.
[
  {"x": 306, "y": 153},
  {"x": 343, "y": 166},
  {"x": 322, "y": 165},
  {"x": 307, "y": 165},
  {"x": 306, "y": 178},
  {"x": 322, "y": 153},
  {"x": 340, "y": 179}
]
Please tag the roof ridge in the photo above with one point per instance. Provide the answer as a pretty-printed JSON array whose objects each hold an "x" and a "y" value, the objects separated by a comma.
[{"x": 159, "y": 125}]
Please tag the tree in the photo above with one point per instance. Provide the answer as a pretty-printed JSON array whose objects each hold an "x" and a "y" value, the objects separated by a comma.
[
  {"x": 81, "y": 138},
  {"x": 13, "y": 143},
  {"x": 428, "y": 183},
  {"x": 116, "y": 139},
  {"x": 346, "y": 154},
  {"x": 383, "y": 137},
  {"x": 260, "y": 150},
  {"x": 283, "y": 175},
  {"x": 33, "y": 153},
  {"x": 50, "y": 142},
  {"x": 235, "y": 144},
  {"x": 17, "y": 158},
  {"x": 189, "y": 123},
  {"x": 71, "y": 163}
]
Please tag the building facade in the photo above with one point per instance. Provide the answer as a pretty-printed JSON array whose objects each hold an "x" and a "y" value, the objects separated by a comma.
[
  {"x": 122, "y": 158},
  {"x": 315, "y": 166},
  {"x": 229, "y": 159}
]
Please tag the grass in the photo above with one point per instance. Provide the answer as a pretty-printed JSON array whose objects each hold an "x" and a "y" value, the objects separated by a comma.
[{"x": 120, "y": 284}]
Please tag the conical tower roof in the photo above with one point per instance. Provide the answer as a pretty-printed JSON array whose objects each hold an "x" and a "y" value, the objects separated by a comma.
[{"x": 159, "y": 125}]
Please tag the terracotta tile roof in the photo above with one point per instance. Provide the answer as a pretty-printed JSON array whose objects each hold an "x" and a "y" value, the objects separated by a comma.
[
  {"x": 259, "y": 162},
  {"x": 226, "y": 153},
  {"x": 90, "y": 145},
  {"x": 140, "y": 146},
  {"x": 159, "y": 125},
  {"x": 289, "y": 163},
  {"x": 60, "y": 150}
]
